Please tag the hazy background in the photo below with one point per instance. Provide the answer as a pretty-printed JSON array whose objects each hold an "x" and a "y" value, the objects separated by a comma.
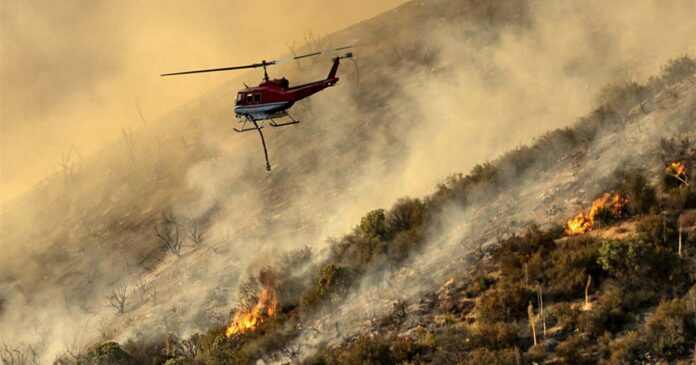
[
  {"x": 77, "y": 72},
  {"x": 479, "y": 78}
]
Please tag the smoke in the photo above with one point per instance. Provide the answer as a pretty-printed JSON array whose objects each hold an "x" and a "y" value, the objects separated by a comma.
[
  {"x": 434, "y": 98},
  {"x": 77, "y": 72}
]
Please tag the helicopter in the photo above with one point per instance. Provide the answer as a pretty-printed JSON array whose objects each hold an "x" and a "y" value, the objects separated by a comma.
[{"x": 272, "y": 98}]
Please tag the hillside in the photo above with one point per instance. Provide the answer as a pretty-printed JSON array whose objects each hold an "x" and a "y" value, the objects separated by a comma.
[{"x": 180, "y": 219}]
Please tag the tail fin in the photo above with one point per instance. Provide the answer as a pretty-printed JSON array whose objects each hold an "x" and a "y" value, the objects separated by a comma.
[{"x": 336, "y": 62}]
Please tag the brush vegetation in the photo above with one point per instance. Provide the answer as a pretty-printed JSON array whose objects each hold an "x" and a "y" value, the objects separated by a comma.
[{"x": 609, "y": 300}]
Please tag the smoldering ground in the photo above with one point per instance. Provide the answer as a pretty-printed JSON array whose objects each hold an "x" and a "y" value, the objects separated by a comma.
[{"x": 432, "y": 99}]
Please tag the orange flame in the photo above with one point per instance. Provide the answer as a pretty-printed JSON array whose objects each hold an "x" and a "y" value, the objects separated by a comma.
[
  {"x": 678, "y": 170},
  {"x": 246, "y": 320},
  {"x": 449, "y": 282},
  {"x": 613, "y": 205}
]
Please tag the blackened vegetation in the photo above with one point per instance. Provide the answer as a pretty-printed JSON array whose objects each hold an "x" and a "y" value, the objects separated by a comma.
[{"x": 605, "y": 299}]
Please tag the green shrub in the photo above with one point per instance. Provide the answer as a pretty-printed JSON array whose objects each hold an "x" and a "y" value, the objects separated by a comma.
[
  {"x": 368, "y": 351},
  {"x": 374, "y": 224},
  {"x": 107, "y": 353},
  {"x": 671, "y": 330},
  {"x": 333, "y": 282},
  {"x": 486, "y": 356},
  {"x": 627, "y": 349},
  {"x": 606, "y": 315},
  {"x": 640, "y": 196},
  {"x": 570, "y": 350},
  {"x": 566, "y": 315},
  {"x": 494, "y": 336},
  {"x": 639, "y": 265},
  {"x": 506, "y": 302},
  {"x": 569, "y": 265},
  {"x": 678, "y": 69}
]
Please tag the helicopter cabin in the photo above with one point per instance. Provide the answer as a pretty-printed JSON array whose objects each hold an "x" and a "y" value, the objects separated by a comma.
[{"x": 265, "y": 90}]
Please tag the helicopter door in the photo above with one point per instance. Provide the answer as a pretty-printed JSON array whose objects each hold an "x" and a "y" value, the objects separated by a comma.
[
  {"x": 257, "y": 98},
  {"x": 249, "y": 98}
]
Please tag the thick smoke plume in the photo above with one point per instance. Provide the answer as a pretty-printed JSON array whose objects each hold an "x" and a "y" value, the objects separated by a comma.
[{"x": 436, "y": 97}]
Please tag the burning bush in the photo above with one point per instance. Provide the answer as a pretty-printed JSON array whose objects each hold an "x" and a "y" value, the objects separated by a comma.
[
  {"x": 246, "y": 319},
  {"x": 604, "y": 210},
  {"x": 675, "y": 175}
]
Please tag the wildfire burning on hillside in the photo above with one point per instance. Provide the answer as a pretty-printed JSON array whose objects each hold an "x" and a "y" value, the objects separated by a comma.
[
  {"x": 248, "y": 319},
  {"x": 608, "y": 206},
  {"x": 678, "y": 171}
]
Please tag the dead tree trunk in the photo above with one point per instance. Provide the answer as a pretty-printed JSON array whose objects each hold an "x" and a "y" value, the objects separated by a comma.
[{"x": 532, "y": 321}]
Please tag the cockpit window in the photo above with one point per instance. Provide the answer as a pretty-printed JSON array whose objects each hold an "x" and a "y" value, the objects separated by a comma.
[
  {"x": 248, "y": 98},
  {"x": 257, "y": 98}
]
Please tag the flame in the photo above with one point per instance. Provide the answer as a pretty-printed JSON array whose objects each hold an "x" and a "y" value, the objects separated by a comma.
[
  {"x": 247, "y": 320},
  {"x": 678, "y": 170},
  {"x": 611, "y": 204},
  {"x": 449, "y": 282}
]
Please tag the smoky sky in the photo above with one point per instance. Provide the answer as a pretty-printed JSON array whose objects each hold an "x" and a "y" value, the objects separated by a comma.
[{"x": 74, "y": 73}]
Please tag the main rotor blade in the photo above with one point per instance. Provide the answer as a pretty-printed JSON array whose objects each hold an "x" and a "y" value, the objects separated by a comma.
[
  {"x": 312, "y": 54},
  {"x": 255, "y": 65}
]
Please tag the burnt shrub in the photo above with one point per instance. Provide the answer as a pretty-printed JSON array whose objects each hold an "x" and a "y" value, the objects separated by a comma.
[
  {"x": 622, "y": 97},
  {"x": 406, "y": 214},
  {"x": 403, "y": 245}
]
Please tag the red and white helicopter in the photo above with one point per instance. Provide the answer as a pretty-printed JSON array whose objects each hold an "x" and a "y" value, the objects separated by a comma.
[{"x": 272, "y": 98}]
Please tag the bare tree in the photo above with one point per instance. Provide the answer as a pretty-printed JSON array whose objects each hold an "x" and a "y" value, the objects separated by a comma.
[
  {"x": 292, "y": 352},
  {"x": 68, "y": 167},
  {"x": 142, "y": 287},
  {"x": 127, "y": 134},
  {"x": 104, "y": 330},
  {"x": 22, "y": 355},
  {"x": 195, "y": 231},
  {"x": 140, "y": 112},
  {"x": 117, "y": 299},
  {"x": 153, "y": 296},
  {"x": 313, "y": 42},
  {"x": 169, "y": 234},
  {"x": 587, "y": 305},
  {"x": 73, "y": 349},
  {"x": 532, "y": 320}
]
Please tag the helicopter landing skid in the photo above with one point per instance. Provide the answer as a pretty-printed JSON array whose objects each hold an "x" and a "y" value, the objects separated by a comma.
[{"x": 293, "y": 121}]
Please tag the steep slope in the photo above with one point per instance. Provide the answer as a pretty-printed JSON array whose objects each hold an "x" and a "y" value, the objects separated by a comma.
[{"x": 90, "y": 230}]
